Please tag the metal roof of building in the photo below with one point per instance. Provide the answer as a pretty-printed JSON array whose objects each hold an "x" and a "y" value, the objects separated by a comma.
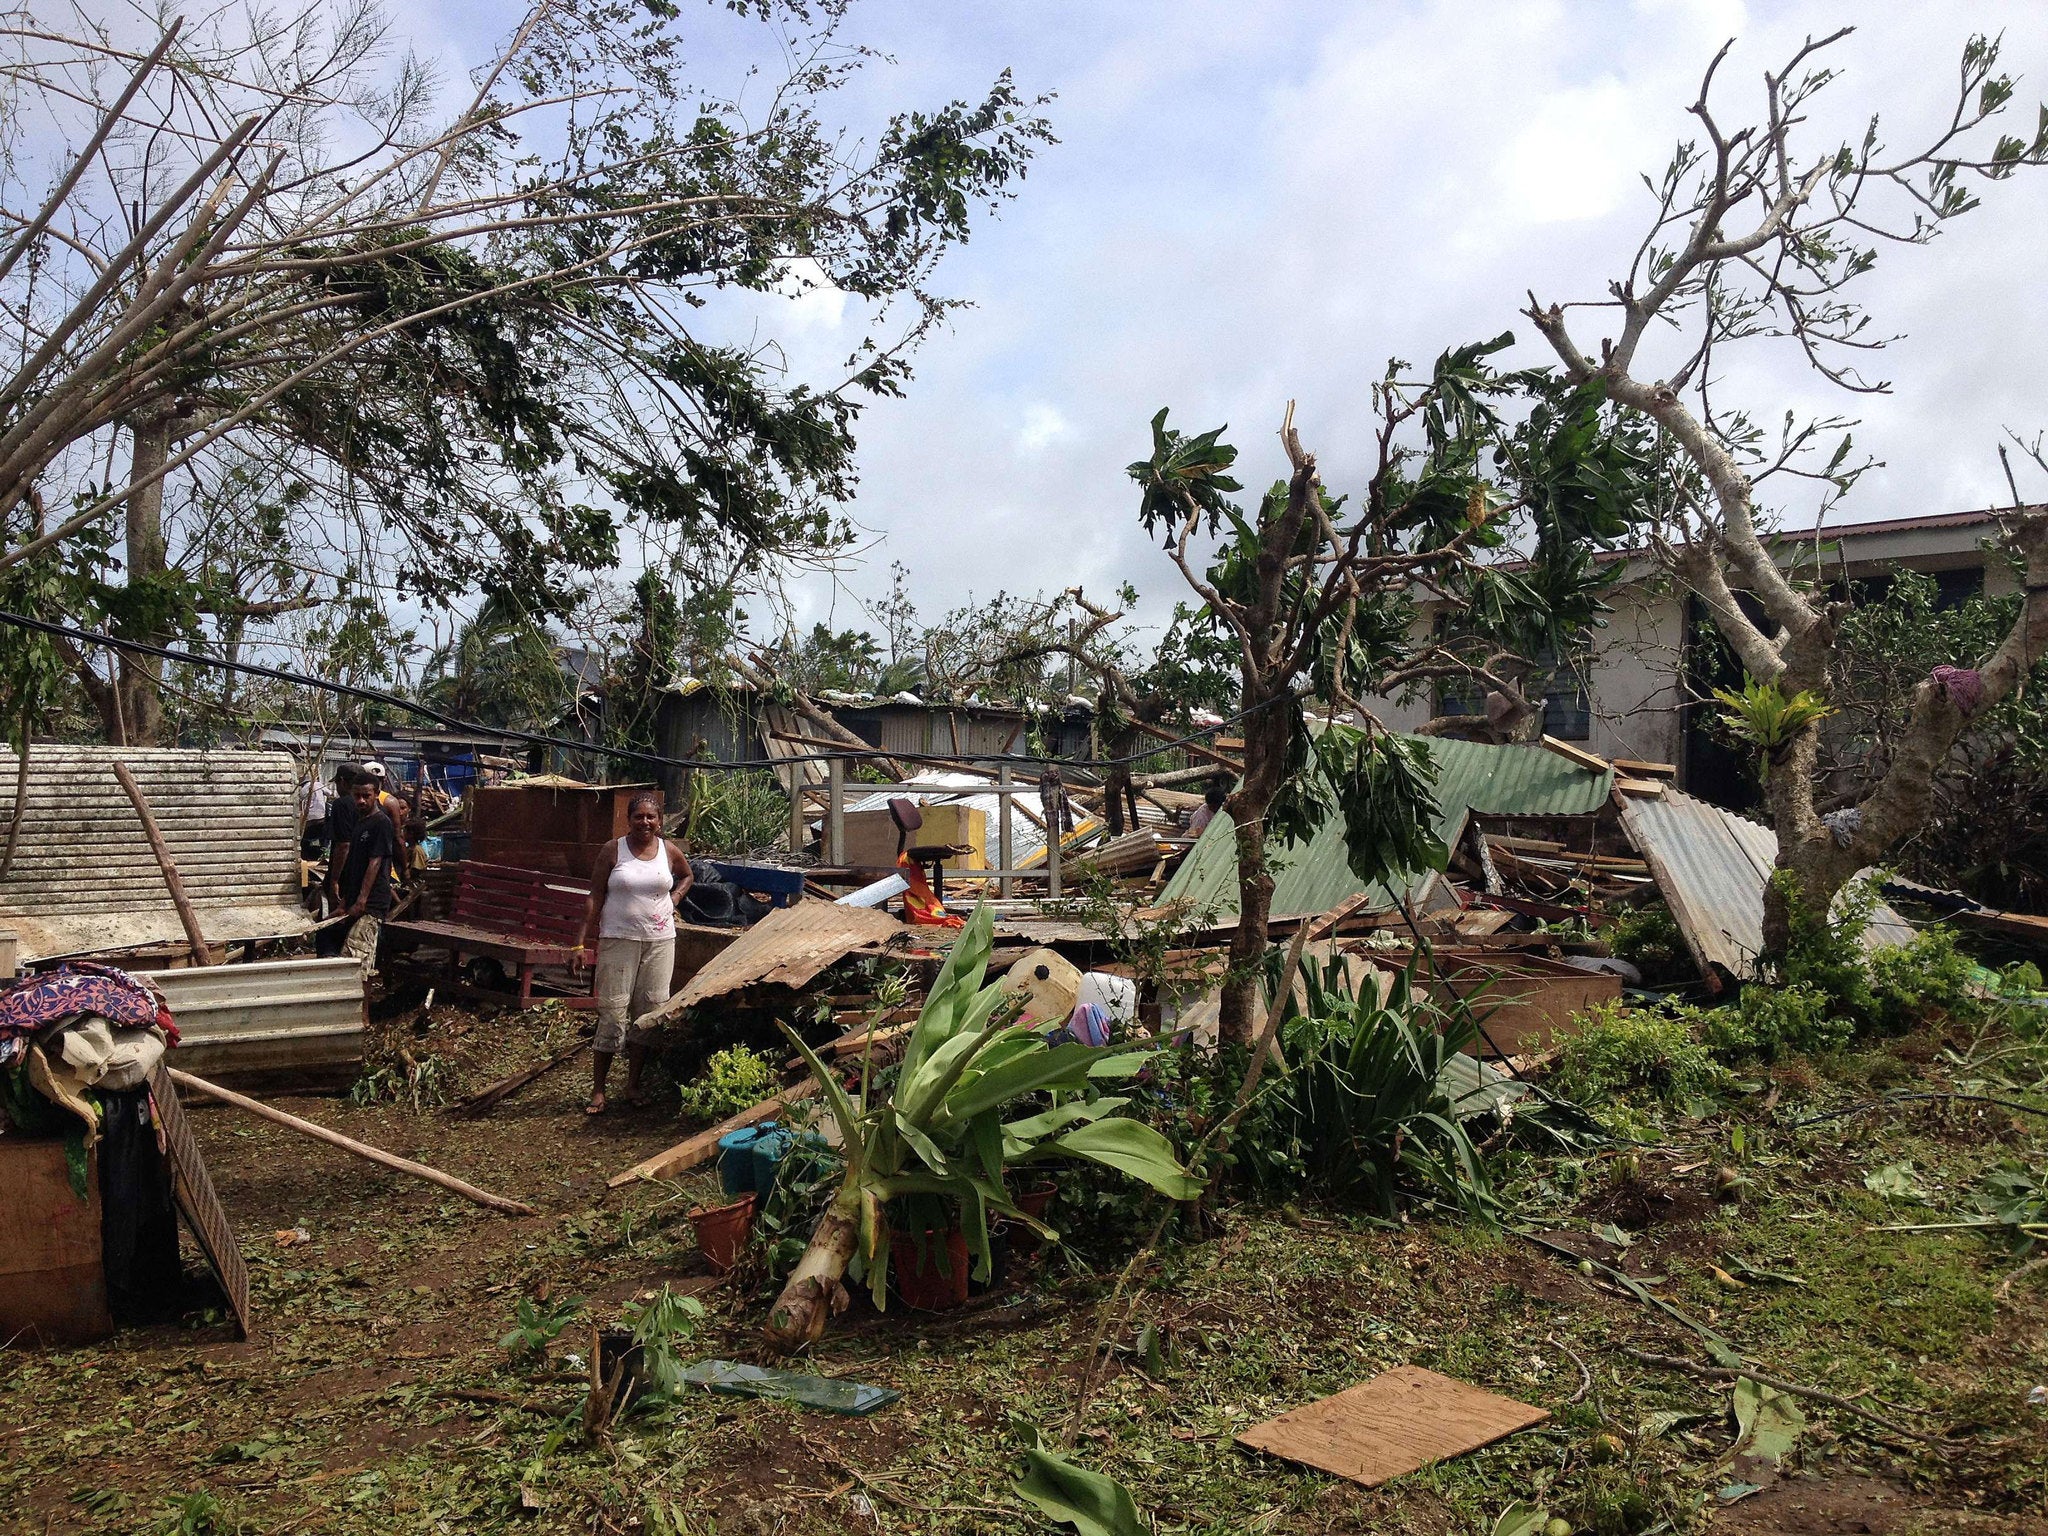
[
  {"x": 1711, "y": 866},
  {"x": 84, "y": 876},
  {"x": 1493, "y": 781}
]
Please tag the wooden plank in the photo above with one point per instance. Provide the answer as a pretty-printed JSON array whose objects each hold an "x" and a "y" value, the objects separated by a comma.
[
  {"x": 703, "y": 1146},
  {"x": 1579, "y": 755},
  {"x": 53, "y": 1284},
  {"x": 1635, "y": 767},
  {"x": 1395, "y": 1423},
  {"x": 1649, "y": 789},
  {"x": 197, "y": 1201}
]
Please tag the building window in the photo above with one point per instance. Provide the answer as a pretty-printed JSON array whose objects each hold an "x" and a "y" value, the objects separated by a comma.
[{"x": 1567, "y": 712}]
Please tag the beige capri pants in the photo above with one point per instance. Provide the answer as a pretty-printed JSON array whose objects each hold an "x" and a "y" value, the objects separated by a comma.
[{"x": 632, "y": 978}]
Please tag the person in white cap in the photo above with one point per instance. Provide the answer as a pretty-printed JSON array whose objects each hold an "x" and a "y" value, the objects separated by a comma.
[{"x": 400, "y": 813}]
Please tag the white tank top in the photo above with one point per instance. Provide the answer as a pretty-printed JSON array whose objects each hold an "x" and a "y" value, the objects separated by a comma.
[{"x": 636, "y": 897}]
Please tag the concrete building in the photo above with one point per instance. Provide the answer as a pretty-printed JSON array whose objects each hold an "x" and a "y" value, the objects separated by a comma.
[{"x": 1633, "y": 700}]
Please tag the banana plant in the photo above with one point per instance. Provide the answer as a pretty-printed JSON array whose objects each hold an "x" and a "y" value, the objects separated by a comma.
[{"x": 941, "y": 1131}]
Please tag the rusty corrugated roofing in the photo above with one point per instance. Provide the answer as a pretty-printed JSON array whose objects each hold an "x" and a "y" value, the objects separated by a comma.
[
  {"x": 1313, "y": 877},
  {"x": 84, "y": 876},
  {"x": 789, "y": 947},
  {"x": 1711, "y": 866}
]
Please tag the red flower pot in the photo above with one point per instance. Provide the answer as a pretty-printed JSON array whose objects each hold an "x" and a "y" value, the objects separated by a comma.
[
  {"x": 935, "y": 1278},
  {"x": 722, "y": 1231},
  {"x": 1033, "y": 1203}
]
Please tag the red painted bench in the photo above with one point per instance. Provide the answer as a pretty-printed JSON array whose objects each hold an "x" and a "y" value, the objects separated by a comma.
[{"x": 523, "y": 917}]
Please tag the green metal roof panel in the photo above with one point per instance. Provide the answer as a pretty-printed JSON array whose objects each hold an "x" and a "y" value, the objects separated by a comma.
[{"x": 1313, "y": 877}]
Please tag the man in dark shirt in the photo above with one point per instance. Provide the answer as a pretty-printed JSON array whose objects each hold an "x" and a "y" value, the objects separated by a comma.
[
  {"x": 341, "y": 826},
  {"x": 366, "y": 876}
]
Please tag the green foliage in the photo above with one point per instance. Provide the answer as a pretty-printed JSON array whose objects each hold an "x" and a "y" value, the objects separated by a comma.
[
  {"x": 502, "y": 669},
  {"x": 1824, "y": 951},
  {"x": 1889, "y": 641},
  {"x": 804, "y": 1182},
  {"x": 536, "y": 1325},
  {"x": 1926, "y": 981},
  {"x": 1070, "y": 1494},
  {"x": 1648, "y": 937},
  {"x": 732, "y": 1080},
  {"x": 735, "y": 814},
  {"x": 1620, "y": 1051},
  {"x": 197, "y": 1514},
  {"x": 1366, "y": 1101},
  {"x": 2016, "y": 1197},
  {"x": 1382, "y": 785},
  {"x": 1766, "y": 1022},
  {"x": 940, "y": 1129},
  {"x": 663, "y": 1326},
  {"x": 1764, "y": 716}
]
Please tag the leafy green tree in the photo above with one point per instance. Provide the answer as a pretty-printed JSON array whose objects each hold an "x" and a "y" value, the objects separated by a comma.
[
  {"x": 492, "y": 340},
  {"x": 1321, "y": 603},
  {"x": 501, "y": 669}
]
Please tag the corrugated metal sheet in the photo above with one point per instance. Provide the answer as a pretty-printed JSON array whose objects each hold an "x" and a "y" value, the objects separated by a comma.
[
  {"x": 1711, "y": 866},
  {"x": 1312, "y": 878},
  {"x": 279, "y": 1023},
  {"x": 788, "y": 947},
  {"x": 84, "y": 876}
]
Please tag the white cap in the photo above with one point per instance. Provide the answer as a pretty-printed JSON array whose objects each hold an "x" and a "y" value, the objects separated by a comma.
[{"x": 375, "y": 769}]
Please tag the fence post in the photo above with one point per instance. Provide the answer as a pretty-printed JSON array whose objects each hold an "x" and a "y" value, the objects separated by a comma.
[
  {"x": 796, "y": 808},
  {"x": 1053, "y": 822},
  {"x": 835, "y": 807},
  {"x": 1005, "y": 785}
]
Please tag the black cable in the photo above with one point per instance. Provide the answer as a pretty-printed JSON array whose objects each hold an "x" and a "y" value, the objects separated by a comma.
[{"x": 529, "y": 738}]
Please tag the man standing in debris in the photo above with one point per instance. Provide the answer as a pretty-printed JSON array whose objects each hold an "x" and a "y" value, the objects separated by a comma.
[
  {"x": 341, "y": 827},
  {"x": 634, "y": 889},
  {"x": 366, "y": 877}
]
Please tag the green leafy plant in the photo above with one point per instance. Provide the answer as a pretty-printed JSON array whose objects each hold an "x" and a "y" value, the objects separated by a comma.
[
  {"x": 663, "y": 1326},
  {"x": 732, "y": 1080},
  {"x": 1765, "y": 716},
  {"x": 939, "y": 1131},
  {"x": 1069, "y": 1494},
  {"x": 1765, "y": 1023},
  {"x": 737, "y": 813},
  {"x": 536, "y": 1325},
  {"x": 2016, "y": 1198},
  {"x": 1366, "y": 1097},
  {"x": 197, "y": 1514},
  {"x": 1649, "y": 939},
  {"x": 1618, "y": 1051}
]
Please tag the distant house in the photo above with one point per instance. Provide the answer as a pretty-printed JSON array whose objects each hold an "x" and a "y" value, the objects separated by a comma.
[{"x": 1628, "y": 697}]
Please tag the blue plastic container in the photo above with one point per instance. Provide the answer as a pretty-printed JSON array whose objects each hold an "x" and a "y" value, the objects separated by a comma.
[{"x": 737, "y": 1163}]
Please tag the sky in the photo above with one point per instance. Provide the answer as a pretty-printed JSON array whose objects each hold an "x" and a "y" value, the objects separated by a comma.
[{"x": 1251, "y": 204}]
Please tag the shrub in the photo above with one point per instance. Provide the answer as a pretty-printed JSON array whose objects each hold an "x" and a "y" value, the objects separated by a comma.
[
  {"x": 1619, "y": 1051},
  {"x": 1797, "y": 1019},
  {"x": 1648, "y": 938},
  {"x": 732, "y": 1080},
  {"x": 1922, "y": 982}
]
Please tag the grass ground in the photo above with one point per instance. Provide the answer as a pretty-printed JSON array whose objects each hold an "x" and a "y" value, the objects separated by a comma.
[{"x": 344, "y": 1413}]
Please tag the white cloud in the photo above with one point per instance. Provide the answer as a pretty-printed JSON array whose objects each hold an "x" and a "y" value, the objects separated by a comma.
[{"x": 1042, "y": 426}]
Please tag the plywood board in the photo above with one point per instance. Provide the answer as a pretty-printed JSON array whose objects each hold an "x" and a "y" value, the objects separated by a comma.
[
  {"x": 197, "y": 1201},
  {"x": 1393, "y": 1424}
]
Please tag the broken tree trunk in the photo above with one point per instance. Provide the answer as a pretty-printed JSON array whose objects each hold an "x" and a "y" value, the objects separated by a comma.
[
  {"x": 202, "y": 954},
  {"x": 348, "y": 1144}
]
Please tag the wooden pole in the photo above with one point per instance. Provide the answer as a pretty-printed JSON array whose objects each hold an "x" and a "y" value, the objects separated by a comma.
[
  {"x": 201, "y": 953},
  {"x": 1005, "y": 845},
  {"x": 835, "y": 811},
  {"x": 348, "y": 1144}
]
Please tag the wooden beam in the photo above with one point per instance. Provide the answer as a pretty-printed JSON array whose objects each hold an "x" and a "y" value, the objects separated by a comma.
[
  {"x": 1579, "y": 755},
  {"x": 703, "y": 1146},
  {"x": 348, "y": 1144},
  {"x": 1158, "y": 733},
  {"x": 202, "y": 953}
]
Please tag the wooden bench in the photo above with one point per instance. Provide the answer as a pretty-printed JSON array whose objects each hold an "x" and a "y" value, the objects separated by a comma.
[{"x": 521, "y": 916}]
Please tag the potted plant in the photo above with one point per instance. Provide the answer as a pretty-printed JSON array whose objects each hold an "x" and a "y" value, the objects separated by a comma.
[
  {"x": 722, "y": 1230},
  {"x": 941, "y": 1132}
]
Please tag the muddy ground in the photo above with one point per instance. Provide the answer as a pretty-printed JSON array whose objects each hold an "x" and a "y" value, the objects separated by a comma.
[{"x": 375, "y": 1395}]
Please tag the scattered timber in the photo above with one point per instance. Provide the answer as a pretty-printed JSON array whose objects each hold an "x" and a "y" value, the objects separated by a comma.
[{"x": 349, "y": 1144}]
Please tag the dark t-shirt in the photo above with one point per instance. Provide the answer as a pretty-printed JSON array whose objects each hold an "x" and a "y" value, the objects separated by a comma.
[
  {"x": 372, "y": 838},
  {"x": 341, "y": 826}
]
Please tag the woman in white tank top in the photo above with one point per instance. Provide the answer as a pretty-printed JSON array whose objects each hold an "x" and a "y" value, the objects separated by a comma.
[{"x": 631, "y": 921}]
